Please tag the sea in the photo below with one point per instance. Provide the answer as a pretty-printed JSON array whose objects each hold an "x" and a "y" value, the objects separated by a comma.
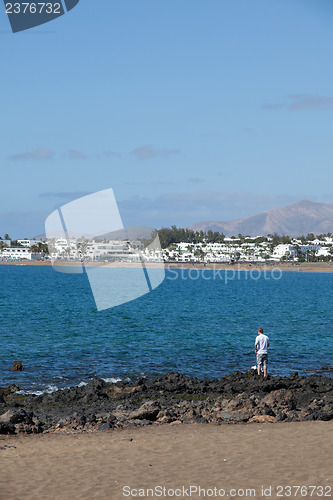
[{"x": 199, "y": 322}]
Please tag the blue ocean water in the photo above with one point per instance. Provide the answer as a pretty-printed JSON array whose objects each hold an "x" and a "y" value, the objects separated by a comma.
[{"x": 202, "y": 323}]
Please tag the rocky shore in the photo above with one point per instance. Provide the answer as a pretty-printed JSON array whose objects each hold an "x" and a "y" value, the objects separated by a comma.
[{"x": 169, "y": 399}]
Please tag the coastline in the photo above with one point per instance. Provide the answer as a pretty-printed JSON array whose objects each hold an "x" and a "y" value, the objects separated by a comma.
[
  {"x": 168, "y": 399},
  {"x": 271, "y": 266}
]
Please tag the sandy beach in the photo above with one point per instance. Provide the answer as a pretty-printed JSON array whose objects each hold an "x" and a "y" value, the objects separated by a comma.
[
  {"x": 237, "y": 459},
  {"x": 271, "y": 266}
]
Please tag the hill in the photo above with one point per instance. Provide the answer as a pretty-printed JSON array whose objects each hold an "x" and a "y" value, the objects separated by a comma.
[{"x": 300, "y": 218}]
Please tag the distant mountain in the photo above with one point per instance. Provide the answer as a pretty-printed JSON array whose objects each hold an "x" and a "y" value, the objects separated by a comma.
[
  {"x": 131, "y": 233},
  {"x": 300, "y": 218},
  {"x": 57, "y": 234}
]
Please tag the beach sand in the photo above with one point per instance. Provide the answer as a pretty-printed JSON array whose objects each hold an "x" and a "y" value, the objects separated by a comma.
[
  {"x": 235, "y": 458},
  {"x": 320, "y": 267}
]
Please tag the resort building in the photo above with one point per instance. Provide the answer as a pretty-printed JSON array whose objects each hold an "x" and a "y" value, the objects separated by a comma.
[
  {"x": 18, "y": 253},
  {"x": 29, "y": 243}
]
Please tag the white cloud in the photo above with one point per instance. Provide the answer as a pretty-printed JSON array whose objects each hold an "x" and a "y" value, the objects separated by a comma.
[
  {"x": 196, "y": 180},
  {"x": 300, "y": 102},
  {"x": 37, "y": 154},
  {"x": 148, "y": 152},
  {"x": 74, "y": 154}
]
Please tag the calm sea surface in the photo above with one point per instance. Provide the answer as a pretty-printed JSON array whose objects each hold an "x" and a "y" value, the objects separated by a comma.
[{"x": 199, "y": 324}]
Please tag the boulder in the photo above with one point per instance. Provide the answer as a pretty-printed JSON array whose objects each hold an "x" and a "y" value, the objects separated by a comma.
[
  {"x": 262, "y": 418},
  {"x": 148, "y": 411},
  {"x": 7, "y": 428},
  {"x": 16, "y": 417},
  {"x": 17, "y": 366},
  {"x": 105, "y": 427}
]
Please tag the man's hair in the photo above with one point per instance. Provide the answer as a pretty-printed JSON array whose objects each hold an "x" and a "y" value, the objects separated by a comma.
[{"x": 260, "y": 330}]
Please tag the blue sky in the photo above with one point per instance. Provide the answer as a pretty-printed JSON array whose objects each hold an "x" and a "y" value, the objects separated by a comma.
[{"x": 190, "y": 110}]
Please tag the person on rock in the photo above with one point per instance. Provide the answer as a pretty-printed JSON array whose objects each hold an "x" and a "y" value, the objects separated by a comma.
[{"x": 261, "y": 349}]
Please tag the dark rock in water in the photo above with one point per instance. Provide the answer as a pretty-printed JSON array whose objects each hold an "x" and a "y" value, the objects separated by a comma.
[
  {"x": 2, "y": 399},
  {"x": 17, "y": 366}
]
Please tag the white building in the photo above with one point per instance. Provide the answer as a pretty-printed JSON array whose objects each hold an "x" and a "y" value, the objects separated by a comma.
[
  {"x": 283, "y": 250},
  {"x": 324, "y": 252},
  {"x": 16, "y": 253},
  {"x": 28, "y": 243}
]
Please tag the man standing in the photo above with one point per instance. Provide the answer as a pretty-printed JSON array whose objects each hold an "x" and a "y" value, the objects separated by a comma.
[{"x": 261, "y": 348}]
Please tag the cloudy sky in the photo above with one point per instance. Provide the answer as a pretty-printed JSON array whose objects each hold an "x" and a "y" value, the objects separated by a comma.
[{"x": 190, "y": 110}]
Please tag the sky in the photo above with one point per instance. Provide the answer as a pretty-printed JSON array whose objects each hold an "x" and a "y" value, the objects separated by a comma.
[{"x": 190, "y": 110}]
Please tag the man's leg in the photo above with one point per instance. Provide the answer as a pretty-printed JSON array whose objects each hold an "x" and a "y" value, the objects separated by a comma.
[
  {"x": 259, "y": 364},
  {"x": 265, "y": 366}
]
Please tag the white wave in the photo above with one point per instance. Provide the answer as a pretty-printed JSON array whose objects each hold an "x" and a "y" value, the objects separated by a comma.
[
  {"x": 111, "y": 380},
  {"x": 82, "y": 384},
  {"x": 48, "y": 390}
]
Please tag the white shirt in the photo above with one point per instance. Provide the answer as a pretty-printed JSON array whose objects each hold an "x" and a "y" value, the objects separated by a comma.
[{"x": 262, "y": 342}]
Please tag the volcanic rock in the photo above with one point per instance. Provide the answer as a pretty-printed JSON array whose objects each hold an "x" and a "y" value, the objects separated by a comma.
[{"x": 17, "y": 366}]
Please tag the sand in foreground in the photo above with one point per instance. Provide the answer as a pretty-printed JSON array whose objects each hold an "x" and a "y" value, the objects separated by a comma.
[{"x": 98, "y": 465}]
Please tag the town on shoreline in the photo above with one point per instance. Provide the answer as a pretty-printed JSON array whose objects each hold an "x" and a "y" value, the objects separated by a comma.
[{"x": 175, "y": 247}]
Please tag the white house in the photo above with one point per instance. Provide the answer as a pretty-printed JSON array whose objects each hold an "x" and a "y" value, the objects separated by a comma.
[
  {"x": 28, "y": 243},
  {"x": 16, "y": 253},
  {"x": 283, "y": 250}
]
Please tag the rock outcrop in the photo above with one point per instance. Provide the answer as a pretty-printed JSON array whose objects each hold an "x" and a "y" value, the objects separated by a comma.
[{"x": 169, "y": 399}]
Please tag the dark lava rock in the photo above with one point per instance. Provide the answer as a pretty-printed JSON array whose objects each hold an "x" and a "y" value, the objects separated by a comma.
[
  {"x": 105, "y": 427},
  {"x": 148, "y": 411},
  {"x": 7, "y": 428},
  {"x": 175, "y": 397},
  {"x": 16, "y": 416},
  {"x": 17, "y": 366}
]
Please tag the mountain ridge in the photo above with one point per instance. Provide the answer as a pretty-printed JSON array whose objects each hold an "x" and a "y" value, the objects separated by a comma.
[{"x": 297, "y": 219}]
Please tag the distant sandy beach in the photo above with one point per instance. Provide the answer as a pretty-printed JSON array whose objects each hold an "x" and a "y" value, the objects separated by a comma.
[
  {"x": 304, "y": 266},
  {"x": 237, "y": 459}
]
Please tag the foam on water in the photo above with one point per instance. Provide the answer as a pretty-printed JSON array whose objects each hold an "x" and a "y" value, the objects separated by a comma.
[
  {"x": 48, "y": 390},
  {"x": 111, "y": 380}
]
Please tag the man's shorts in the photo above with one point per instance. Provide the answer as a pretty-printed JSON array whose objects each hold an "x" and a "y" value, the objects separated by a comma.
[{"x": 262, "y": 359}]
